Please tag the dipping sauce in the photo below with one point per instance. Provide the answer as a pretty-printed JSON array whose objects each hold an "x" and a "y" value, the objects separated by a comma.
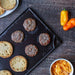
[{"x": 61, "y": 67}]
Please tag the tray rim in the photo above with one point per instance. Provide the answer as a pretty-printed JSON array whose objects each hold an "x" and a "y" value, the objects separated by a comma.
[{"x": 54, "y": 37}]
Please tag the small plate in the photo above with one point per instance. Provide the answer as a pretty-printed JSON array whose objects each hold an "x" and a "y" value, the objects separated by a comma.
[{"x": 7, "y": 12}]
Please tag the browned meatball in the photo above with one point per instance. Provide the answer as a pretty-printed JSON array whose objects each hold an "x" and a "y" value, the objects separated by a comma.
[
  {"x": 17, "y": 36},
  {"x": 31, "y": 50},
  {"x": 44, "y": 39},
  {"x": 29, "y": 24}
]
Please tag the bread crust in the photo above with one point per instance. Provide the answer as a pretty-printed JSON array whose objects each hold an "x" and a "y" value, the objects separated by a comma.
[
  {"x": 3, "y": 6},
  {"x": 1, "y": 11},
  {"x": 20, "y": 57},
  {"x": 3, "y": 43},
  {"x": 5, "y": 72}
]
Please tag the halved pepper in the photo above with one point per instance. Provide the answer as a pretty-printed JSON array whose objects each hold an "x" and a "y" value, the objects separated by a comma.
[
  {"x": 70, "y": 24},
  {"x": 63, "y": 17}
]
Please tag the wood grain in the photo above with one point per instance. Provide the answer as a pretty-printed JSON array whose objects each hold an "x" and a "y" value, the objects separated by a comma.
[{"x": 49, "y": 11}]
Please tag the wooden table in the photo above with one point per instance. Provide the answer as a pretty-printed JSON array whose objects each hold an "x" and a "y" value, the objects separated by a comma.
[{"x": 49, "y": 11}]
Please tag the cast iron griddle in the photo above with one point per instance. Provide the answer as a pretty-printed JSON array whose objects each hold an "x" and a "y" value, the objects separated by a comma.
[{"x": 30, "y": 38}]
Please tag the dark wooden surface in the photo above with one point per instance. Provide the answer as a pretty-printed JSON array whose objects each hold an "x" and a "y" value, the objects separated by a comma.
[{"x": 49, "y": 11}]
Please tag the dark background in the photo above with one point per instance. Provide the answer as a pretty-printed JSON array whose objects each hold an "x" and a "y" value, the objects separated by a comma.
[{"x": 49, "y": 11}]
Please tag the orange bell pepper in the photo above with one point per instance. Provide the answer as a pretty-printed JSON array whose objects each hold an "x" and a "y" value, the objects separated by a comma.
[{"x": 70, "y": 24}]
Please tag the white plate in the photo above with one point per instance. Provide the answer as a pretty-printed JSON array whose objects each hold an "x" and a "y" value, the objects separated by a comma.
[
  {"x": 65, "y": 60},
  {"x": 7, "y": 12}
]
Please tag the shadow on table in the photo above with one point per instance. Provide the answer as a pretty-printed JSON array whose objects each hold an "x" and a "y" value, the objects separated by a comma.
[{"x": 20, "y": 2}]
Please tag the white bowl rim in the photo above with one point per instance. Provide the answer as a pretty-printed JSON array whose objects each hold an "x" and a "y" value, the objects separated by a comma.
[{"x": 62, "y": 59}]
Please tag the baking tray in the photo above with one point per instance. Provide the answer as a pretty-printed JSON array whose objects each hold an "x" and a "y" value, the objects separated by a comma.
[{"x": 30, "y": 38}]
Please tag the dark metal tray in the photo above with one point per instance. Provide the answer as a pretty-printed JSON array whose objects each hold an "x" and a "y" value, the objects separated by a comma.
[{"x": 30, "y": 38}]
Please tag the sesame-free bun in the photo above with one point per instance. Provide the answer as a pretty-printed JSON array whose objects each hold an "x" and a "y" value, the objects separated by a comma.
[
  {"x": 6, "y": 49},
  {"x": 5, "y": 72},
  {"x": 18, "y": 63},
  {"x": 7, "y": 4}
]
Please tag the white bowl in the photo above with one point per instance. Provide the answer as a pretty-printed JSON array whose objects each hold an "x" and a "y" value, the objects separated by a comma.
[
  {"x": 65, "y": 60},
  {"x": 7, "y": 12}
]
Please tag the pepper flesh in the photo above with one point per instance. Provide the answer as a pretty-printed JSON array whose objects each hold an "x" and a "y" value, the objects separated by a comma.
[
  {"x": 64, "y": 17},
  {"x": 61, "y": 67},
  {"x": 70, "y": 24}
]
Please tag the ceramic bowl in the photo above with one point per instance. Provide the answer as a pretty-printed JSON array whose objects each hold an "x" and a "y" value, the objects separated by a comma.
[{"x": 65, "y": 60}]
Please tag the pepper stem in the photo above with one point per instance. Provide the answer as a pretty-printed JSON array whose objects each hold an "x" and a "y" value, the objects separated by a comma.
[{"x": 64, "y": 9}]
